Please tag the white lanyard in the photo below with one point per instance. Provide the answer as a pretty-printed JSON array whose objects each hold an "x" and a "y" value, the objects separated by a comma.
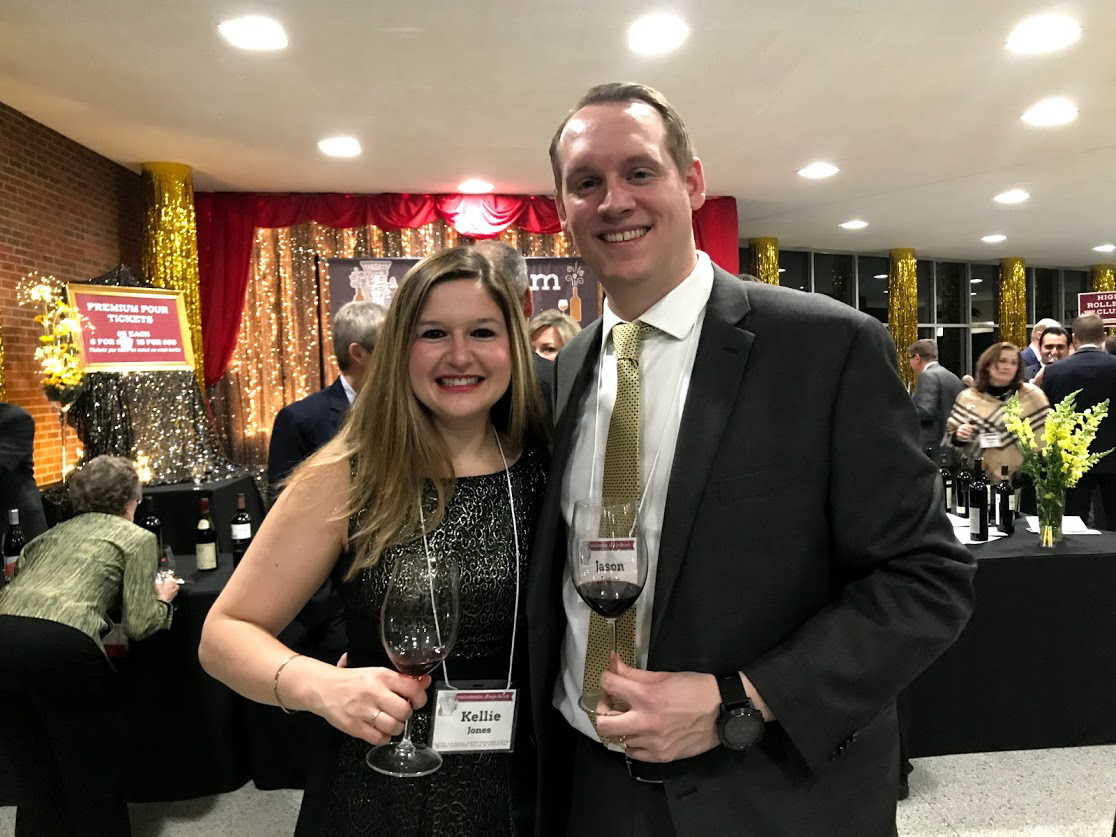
[
  {"x": 662, "y": 434},
  {"x": 515, "y": 535}
]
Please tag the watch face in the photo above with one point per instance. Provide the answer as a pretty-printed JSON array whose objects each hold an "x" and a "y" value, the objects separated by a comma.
[{"x": 743, "y": 728}]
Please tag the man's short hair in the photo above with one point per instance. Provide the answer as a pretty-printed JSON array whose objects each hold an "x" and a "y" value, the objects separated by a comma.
[
  {"x": 1041, "y": 326},
  {"x": 509, "y": 264},
  {"x": 1088, "y": 328},
  {"x": 926, "y": 349},
  {"x": 676, "y": 137},
  {"x": 1056, "y": 331},
  {"x": 1110, "y": 344},
  {"x": 356, "y": 322}
]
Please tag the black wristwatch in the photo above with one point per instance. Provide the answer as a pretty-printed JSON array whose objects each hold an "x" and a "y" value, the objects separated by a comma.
[{"x": 740, "y": 724}]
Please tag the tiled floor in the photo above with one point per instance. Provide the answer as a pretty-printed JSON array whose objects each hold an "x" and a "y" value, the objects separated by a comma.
[{"x": 1035, "y": 793}]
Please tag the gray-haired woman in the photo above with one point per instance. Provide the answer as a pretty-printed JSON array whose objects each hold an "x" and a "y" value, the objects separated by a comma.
[{"x": 57, "y": 687}]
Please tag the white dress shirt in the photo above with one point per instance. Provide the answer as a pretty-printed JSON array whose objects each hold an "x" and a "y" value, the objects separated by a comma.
[
  {"x": 666, "y": 363},
  {"x": 350, "y": 393}
]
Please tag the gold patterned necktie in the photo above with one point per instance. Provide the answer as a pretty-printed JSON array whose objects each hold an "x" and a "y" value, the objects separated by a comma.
[{"x": 620, "y": 484}]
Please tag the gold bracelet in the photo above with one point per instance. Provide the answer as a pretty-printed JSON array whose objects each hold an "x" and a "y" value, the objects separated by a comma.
[{"x": 275, "y": 683}]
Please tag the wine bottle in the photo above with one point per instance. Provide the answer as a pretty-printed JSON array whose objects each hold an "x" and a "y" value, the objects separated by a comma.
[
  {"x": 1005, "y": 503},
  {"x": 151, "y": 522},
  {"x": 205, "y": 540},
  {"x": 241, "y": 530},
  {"x": 947, "y": 482},
  {"x": 961, "y": 489},
  {"x": 13, "y": 544},
  {"x": 978, "y": 503}
]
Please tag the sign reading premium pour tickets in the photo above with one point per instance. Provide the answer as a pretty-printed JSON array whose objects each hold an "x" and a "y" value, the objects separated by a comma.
[{"x": 132, "y": 329}]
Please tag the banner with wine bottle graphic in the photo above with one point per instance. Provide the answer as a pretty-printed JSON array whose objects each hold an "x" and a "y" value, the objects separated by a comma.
[{"x": 565, "y": 284}]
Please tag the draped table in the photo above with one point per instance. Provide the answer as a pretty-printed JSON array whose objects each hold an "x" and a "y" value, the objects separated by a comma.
[{"x": 1035, "y": 667}]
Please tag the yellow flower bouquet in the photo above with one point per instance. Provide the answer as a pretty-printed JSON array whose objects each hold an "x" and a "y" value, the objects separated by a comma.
[
  {"x": 57, "y": 352},
  {"x": 1062, "y": 460}
]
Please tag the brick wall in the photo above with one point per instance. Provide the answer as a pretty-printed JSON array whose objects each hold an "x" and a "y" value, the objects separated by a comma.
[{"x": 63, "y": 210}]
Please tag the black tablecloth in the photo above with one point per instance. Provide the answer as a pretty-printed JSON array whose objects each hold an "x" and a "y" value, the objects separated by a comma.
[
  {"x": 1035, "y": 667},
  {"x": 179, "y": 506}
]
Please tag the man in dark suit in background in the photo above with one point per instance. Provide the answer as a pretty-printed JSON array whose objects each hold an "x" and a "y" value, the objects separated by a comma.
[
  {"x": 1054, "y": 345},
  {"x": 933, "y": 398},
  {"x": 802, "y": 569},
  {"x": 17, "y": 471},
  {"x": 509, "y": 262},
  {"x": 1093, "y": 371},
  {"x": 300, "y": 429}
]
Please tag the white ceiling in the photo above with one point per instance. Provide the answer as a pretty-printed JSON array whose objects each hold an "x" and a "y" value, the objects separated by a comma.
[{"x": 915, "y": 100}]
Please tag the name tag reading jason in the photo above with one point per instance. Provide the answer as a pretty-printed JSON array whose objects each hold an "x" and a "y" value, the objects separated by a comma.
[
  {"x": 613, "y": 557},
  {"x": 474, "y": 720}
]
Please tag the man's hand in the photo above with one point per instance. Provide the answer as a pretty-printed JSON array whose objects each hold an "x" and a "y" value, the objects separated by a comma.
[{"x": 673, "y": 715}]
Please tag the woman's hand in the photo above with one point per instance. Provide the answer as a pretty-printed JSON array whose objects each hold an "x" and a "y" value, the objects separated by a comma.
[
  {"x": 370, "y": 703},
  {"x": 965, "y": 432},
  {"x": 166, "y": 588}
]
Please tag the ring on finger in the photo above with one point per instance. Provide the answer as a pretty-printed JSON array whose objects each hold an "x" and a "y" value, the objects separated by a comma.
[{"x": 375, "y": 715}]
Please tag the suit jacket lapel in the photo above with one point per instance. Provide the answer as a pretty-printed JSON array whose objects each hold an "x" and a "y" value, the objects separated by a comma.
[{"x": 722, "y": 354}]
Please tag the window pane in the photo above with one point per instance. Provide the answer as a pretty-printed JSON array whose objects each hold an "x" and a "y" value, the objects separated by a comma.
[
  {"x": 833, "y": 276},
  {"x": 925, "y": 277},
  {"x": 984, "y": 295},
  {"x": 872, "y": 271},
  {"x": 950, "y": 348},
  {"x": 1046, "y": 286},
  {"x": 983, "y": 337},
  {"x": 793, "y": 267},
  {"x": 745, "y": 259},
  {"x": 950, "y": 277},
  {"x": 1074, "y": 282}
]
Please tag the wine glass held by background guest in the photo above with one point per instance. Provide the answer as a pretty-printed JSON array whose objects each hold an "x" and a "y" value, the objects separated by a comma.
[
  {"x": 57, "y": 687},
  {"x": 550, "y": 331},
  {"x": 449, "y": 442},
  {"x": 976, "y": 423}
]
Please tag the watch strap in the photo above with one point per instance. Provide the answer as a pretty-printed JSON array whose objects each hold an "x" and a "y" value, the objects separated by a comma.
[{"x": 733, "y": 695}]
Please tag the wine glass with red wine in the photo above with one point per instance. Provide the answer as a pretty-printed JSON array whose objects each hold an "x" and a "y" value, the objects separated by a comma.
[
  {"x": 418, "y": 626},
  {"x": 608, "y": 566}
]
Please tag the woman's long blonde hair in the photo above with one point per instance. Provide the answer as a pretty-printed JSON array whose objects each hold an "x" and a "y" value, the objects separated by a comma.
[{"x": 389, "y": 437}]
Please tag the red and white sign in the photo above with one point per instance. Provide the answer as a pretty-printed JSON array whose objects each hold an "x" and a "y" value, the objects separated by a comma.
[
  {"x": 132, "y": 329},
  {"x": 1101, "y": 303}
]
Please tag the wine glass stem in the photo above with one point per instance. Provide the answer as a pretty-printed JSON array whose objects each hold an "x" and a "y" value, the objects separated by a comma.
[
  {"x": 405, "y": 747},
  {"x": 612, "y": 630}
]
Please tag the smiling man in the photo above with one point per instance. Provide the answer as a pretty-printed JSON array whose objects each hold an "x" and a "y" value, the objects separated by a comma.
[{"x": 801, "y": 568}]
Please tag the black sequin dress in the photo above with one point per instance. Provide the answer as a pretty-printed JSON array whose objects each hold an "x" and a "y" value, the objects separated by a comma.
[{"x": 472, "y": 795}]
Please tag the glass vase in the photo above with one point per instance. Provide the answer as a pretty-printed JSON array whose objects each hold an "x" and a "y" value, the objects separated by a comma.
[{"x": 1051, "y": 507}]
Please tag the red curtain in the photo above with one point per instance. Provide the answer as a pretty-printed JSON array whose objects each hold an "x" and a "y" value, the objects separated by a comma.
[{"x": 227, "y": 222}]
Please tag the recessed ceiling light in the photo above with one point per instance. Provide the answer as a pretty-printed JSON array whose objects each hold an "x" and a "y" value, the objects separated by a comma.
[
  {"x": 657, "y": 34},
  {"x": 1043, "y": 33},
  {"x": 880, "y": 276},
  {"x": 340, "y": 147},
  {"x": 994, "y": 239},
  {"x": 975, "y": 281},
  {"x": 817, "y": 171},
  {"x": 782, "y": 270},
  {"x": 854, "y": 225},
  {"x": 1012, "y": 196},
  {"x": 255, "y": 32},
  {"x": 972, "y": 293},
  {"x": 474, "y": 186},
  {"x": 1105, "y": 248},
  {"x": 1056, "y": 110}
]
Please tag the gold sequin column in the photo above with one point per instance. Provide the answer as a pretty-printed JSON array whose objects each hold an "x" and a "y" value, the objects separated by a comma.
[
  {"x": 902, "y": 308},
  {"x": 170, "y": 243},
  {"x": 763, "y": 259},
  {"x": 1104, "y": 279},
  {"x": 1013, "y": 302}
]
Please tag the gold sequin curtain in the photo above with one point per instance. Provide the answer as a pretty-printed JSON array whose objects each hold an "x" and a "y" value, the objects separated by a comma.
[
  {"x": 1013, "y": 302},
  {"x": 763, "y": 259},
  {"x": 170, "y": 243},
  {"x": 1104, "y": 279},
  {"x": 284, "y": 348},
  {"x": 902, "y": 308}
]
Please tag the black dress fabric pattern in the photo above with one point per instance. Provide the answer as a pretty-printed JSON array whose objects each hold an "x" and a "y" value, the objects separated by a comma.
[{"x": 472, "y": 795}]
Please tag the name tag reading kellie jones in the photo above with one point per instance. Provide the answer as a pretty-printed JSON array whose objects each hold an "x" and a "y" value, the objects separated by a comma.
[
  {"x": 613, "y": 557},
  {"x": 473, "y": 720}
]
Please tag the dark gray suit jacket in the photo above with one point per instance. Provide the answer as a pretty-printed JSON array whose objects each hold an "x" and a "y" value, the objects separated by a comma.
[
  {"x": 933, "y": 399},
  {"x": 804, "y": 542}
]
